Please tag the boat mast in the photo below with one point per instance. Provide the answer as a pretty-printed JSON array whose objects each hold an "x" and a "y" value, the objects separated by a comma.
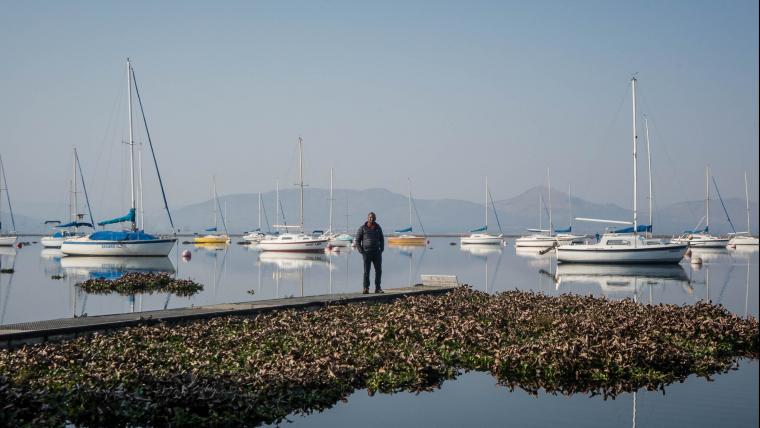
[
  {"x": 214, "y": 202},
  {"x": 707, "y": 199},
  {"x": 540, "y": 213},
  {"x": 549, "y": 184},
  {"x": 331, "y": 200},
  {"x": 635, "y": 159},
  {"x": 277, "y": 201},
  {"x": 131, "y": 143},
  {"x": 140, "y": 187},
  {"x": 649, "y": 167},
  {"x": 259, "y": 211},
  {"x": 486, "y": 205},
  {"x": 746, "y": 195},
  {"x": 410, "y": 201},
  {"x": 7, "y": 195},
  {"x": 300, "y": 175},
  {"x": 73, "y": 199},
  {"x": 570, "y": 205}
]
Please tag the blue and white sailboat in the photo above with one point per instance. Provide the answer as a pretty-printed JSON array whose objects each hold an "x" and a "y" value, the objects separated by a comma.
[
  {"x": 481, "y": 235},
  {"x": 6, "y": 238},
  {"x": 132, "y": 241},
  {"x": 630, "y": 244},
  {"x": 70, "y": 230}
]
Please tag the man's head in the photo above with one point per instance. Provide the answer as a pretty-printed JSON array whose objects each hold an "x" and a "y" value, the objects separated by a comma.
[{"x": 371, "y": 218}]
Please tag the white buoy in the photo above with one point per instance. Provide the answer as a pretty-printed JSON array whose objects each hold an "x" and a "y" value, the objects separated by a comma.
[
  {"x": 696, "y": 260},
  {"x": 186, "y": 255}
]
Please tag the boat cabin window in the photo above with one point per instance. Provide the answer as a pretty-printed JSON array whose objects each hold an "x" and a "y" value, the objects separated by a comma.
[
  {"x": 617, "y": 242},
  {"x": 286, "y": 238}
]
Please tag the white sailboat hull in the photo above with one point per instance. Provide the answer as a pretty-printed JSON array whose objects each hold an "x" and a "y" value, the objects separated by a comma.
[
  {"x": 86, "y": 247},
  {"x": 294, "y": 243},
  {"x": 340, "y": 243},
  {"x": 622, "y": 249},
  {"x": 53, "y": 242},
  {"x": 707, "y": 241},
  {"x": 482, "y": 238},
  {"x": 586, "y": 254},
  {"x": 8, "y": 240},
  {"x": 539, "y": 241},
  {"x": 744, "y": 240}
]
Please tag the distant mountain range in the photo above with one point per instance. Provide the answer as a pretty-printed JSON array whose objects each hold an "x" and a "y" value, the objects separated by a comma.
[{"x": 437, "y": 215}]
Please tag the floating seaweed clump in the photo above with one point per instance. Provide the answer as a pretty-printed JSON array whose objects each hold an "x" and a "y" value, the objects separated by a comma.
[
  {"x": 137, "y": 282},
  {"x": 238, "y": 371}
]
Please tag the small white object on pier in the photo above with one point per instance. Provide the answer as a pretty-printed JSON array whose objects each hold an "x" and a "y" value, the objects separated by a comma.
[{"x": 440, "y": 280}]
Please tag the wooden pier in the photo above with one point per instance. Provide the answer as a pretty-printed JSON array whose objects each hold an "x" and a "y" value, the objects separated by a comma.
[{"x": 12, "y": 335}]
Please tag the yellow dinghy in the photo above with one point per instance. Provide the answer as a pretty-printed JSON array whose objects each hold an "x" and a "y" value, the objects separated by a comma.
[
  {"x": 212, "y": 239},
  {"x": 404, "y": 240}
]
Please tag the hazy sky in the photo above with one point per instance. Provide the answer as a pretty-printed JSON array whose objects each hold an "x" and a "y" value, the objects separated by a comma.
[{"x": 441, "y": 92}]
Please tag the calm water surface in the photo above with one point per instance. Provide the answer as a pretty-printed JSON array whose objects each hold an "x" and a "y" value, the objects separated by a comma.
[{"x": 43, "y": 287}]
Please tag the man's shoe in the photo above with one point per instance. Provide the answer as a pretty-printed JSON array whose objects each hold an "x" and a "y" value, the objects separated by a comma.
[
  {"x": 379, "y": 290},
  {"x": 366, "y": 291}
]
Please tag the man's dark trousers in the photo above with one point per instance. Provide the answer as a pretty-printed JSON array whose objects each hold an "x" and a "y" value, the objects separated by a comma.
[{"x": 373, "y": 258}]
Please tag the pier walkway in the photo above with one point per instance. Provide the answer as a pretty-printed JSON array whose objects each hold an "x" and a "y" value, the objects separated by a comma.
[{"x": 40, "y": 331}]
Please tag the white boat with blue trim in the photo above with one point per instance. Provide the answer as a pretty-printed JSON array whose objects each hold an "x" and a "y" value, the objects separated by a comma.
[
  {"x": 299, "y": 241},
  {"x": 481, "y": 235},
  {"x": 134, "y": 241},
  {"x": 627, "y": 245}
]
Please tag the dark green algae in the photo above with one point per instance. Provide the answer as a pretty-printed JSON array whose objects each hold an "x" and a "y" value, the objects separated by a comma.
[
  {"x": 237, "y": 371},
  {"x": 139, "y": 282}
]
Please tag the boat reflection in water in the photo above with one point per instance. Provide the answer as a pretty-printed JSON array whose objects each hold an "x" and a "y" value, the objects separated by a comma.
[
  {"x": 114, "y": 267},
  {"x": 484, "y": 252},
  {"x": 211, "y": 246},
  {"x": 51, "y": 261},
  {"x": 711, "y": 255},
  {"x": 292, "y": 265},
  {"x": 7, "y": 251},
  {"x": 534, "y": 257},
  {"x": 293, "y": 260},
  {"x": 481, "y": 249},
  {"x": 616, "y": 280}
]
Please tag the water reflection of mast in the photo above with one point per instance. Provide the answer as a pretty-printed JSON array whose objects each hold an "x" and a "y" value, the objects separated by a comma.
[
  {"x": 10, "y": 284},
  {"x": 746, "y": 292}
]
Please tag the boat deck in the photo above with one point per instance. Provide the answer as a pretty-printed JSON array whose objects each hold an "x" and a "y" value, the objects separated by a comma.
[{"x": 12, "y": 335}]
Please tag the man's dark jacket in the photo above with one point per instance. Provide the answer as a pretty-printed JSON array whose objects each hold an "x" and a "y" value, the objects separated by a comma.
[{"x": 370, "y": 239}]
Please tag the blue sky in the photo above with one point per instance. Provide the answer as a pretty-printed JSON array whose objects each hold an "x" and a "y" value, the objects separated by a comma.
[{"x": 441, "y": 92}]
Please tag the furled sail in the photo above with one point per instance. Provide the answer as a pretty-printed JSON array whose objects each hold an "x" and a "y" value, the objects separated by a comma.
[
  {"x": 639, "y": 229},
  {"x": 74, "y": 224},
  {"x": 129, "y": 217},
  {"x": 405, "y": 230}
]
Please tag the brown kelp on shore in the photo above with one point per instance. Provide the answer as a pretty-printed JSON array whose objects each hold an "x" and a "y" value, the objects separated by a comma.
[
  {"x": 139, "y": 282},
  {"x": 248, "y": 371}
]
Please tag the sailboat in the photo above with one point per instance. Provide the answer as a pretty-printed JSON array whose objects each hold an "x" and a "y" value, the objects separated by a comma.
[
  {"x": 481, "y": 235},
  {"x": 702, "y": 238},
  {"x": 133, "y": 241},
  {"x": 6, "y": 238},
  {"x": 336, "y": 239},
  {"x": 257, "y": 235},
  {"x": 625, "y": 245},
  {"x": 71, "y": 229},
  {"x": 214, "y": 238},
  {"x": 745, "y": 238},
  {"x": 544, "y": 238},
  {"x": 300, "y": 241},
  {"x": 404, "y": 236}
]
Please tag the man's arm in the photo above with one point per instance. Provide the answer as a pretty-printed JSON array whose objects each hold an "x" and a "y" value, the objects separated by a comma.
[
  {"x": 382, "y": 239},
  {"x": 359, "y": 238}
]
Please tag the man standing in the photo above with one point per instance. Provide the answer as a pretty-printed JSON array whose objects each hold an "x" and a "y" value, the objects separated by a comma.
[{"x": 370, "y": 242}]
